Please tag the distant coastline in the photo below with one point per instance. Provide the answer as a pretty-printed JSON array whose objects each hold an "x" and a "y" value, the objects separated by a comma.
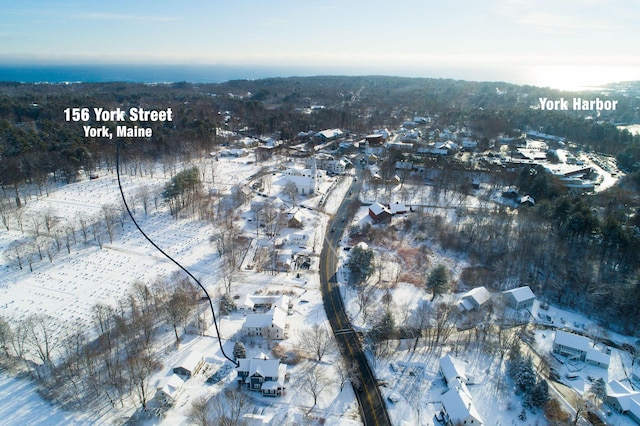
[{"x": 138, "y": 73}]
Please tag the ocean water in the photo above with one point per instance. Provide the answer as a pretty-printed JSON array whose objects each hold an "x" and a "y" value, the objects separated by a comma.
[{"x": 140, "y": 73}]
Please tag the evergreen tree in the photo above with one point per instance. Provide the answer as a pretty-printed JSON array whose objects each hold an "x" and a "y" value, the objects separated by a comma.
[
  {"x": 227, "y": 305},
  {"x": 598, "y": 390},
  {"x": 438, "y": 281},
  {"x": 384, "y": 329},
  {"x": 523, "y": 415},
  {"x": 540, "y": 394},
  {"x": 360, "y": 264},
  {"x": 515, "y": 359},
  {"x": 525, "y": 376},
  {"x": 239, "y": 350}
]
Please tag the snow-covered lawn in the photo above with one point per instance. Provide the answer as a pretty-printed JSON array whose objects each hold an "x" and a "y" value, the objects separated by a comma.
[{"x": 69, "y": 285}]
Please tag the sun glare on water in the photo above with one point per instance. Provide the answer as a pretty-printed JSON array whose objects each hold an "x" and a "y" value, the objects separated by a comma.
[{"x": 577, "y": 78}]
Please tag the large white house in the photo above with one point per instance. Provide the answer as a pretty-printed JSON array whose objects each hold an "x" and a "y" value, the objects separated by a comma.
[
  {"x": 305, "y": 180},
  {"x": 271, "y": 325},
  {"x": 576, "y": 347}
]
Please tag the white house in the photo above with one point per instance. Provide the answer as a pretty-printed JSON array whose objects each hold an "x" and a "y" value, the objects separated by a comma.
[
  {"x": 597, "y": 358},
  {"x": 189, "y": 364},
  {"x": 298, "y": 239},
  {"x": 474, "y": 299},
  {"x": 329, "y": 134},
  {"x": 262, "y": 375},
  {"x": 571, "y": 345},
  {"x": 623, "y": 400},
  {"x": 168, "y": 388},
  {"x": 577, "y": 347},
  {"x": 520, "y": 298},
  {"x": 305, "y": 180},
  {"x": 451, "y": 369},
  {"x": 458, "y": 408},
  {"x": 271, "y": 325}
]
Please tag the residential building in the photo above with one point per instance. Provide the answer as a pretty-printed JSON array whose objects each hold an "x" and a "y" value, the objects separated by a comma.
[
  {"x": 451, "y": 368},
  {"x": 624, "y": 400},
  {"x": 474, "y": 299},
  {"x": 189, "y": 364},
  {"x": 571, "y": 345},
  {"x": 271, "y": 325},
  {"x": 398, "y": 208},
  {"x": 168, "y": 389},
  {"x": 262, "y": 375},
  {"x": 329, "y": 134},
  {"x": 379, "y": 213},
  {"x": 458, "y": 408},
  {"x": 520, "y": 298}
]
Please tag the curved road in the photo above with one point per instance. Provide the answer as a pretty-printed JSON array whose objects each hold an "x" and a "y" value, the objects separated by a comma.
[{"x": 372, "y": 407}]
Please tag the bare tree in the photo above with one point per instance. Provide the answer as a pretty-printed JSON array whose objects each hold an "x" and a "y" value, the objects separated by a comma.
[
  {"x": 5, "y": 212},
  {"x": 109, "y": 214},
  {"x": 345, "y": 371},
  {"x": 291, "y": 190},
  {"x": 314, "y": 382},
  {"x": 140, "y": 367},
  {"x": 229, "y": 406},
  {"x": 181, "y": 305},
  {"x": 199, "y": 413},
  {"x": 6, "y": 336},
  {"x": 42, "y": 338},
  {"x": 84, "y": 227},
  {"x": 317, "y": 340},
  {"x": 144, "y": 197}
]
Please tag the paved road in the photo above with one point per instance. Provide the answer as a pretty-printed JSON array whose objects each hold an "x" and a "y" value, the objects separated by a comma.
[{"x": 372, "y": 407}]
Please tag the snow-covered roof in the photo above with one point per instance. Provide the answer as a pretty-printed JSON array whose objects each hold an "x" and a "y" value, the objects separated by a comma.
[
  {"x": 464, "y": 305},
  {"x": 264, "y": 367},
  {"x": 330, "y": 133},
  {"x": 397, "y": 208},
  {"x": 479, "y": 294},
  {"x": 527, "y": 199},
  {"x": 377, "y": 208},
  {"x": 459, "y": 406},
  {"x": 521, "y": 294},
  {"x": 628, "y": 399},
  {"x": 275, "y": 316},
  {"x": 170, "y": 385},
  {"x": 571, "y": 340},
  {"x": 451, "y": 368},
  {"x": 594, "y": 355},
  {"x": 189, "y": 361}
]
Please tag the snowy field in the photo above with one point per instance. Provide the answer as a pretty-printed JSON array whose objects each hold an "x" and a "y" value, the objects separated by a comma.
[{"x": 69, "y": 284}]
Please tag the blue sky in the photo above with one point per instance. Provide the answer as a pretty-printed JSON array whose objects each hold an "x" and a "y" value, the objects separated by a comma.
[{"x": 513, "y": 40}]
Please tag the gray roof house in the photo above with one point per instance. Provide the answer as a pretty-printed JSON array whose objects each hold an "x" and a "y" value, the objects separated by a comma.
[{"x": 520, "y": 298}]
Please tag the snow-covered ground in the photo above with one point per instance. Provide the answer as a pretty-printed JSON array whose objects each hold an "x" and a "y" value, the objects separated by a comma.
[
  {"x": 69, "y": 285},
  {"x": 20, "y": 404}
]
